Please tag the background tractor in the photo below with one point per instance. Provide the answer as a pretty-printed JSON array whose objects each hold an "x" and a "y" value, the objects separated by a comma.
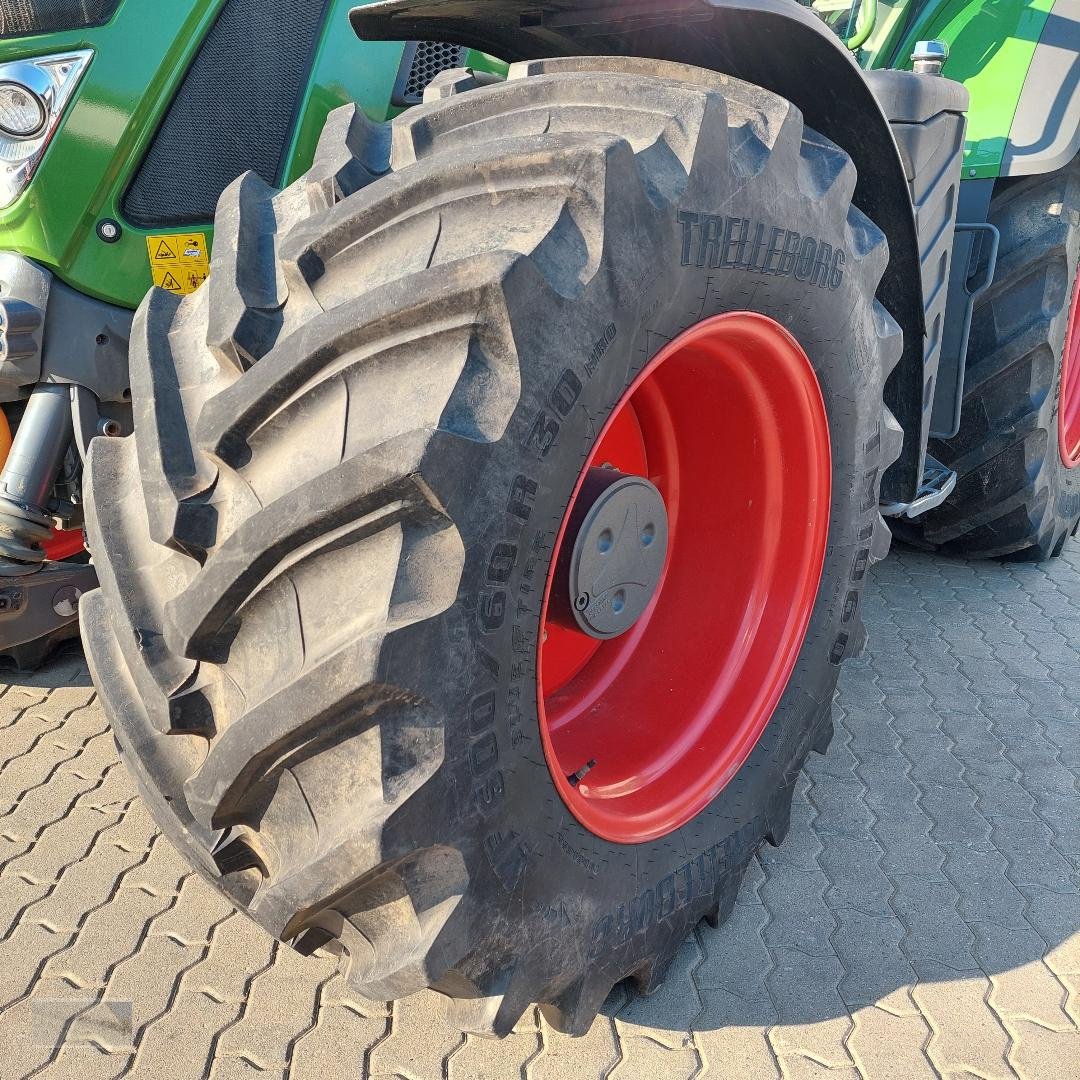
[{"x": 482, "y": 530}]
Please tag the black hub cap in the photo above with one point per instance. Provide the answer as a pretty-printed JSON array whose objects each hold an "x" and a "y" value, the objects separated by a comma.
[{"x": 617, "y": 555}]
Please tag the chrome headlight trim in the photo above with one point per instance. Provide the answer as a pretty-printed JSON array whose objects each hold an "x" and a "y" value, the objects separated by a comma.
[{"x": 52, "y": 80}]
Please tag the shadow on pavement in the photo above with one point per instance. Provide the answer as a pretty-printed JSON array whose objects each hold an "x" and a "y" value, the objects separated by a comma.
[{"x": 938, "y": 841}]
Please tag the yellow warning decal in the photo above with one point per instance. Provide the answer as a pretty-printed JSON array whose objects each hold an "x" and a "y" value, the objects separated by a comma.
[{"x": 179, "y": 262}]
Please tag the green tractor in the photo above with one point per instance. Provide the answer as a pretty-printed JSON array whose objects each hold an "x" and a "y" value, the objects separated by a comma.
[{"x": 482, "y": 530}]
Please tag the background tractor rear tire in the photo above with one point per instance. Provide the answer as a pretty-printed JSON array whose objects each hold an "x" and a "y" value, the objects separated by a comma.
[
  {"x": 1015, "y": 497},
  {"x": 316, "y": 632}
]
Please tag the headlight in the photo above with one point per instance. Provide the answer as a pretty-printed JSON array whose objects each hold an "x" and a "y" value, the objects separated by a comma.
[
  {"x": 22, "y": 112},
  {"x": 33, "y": 96}
]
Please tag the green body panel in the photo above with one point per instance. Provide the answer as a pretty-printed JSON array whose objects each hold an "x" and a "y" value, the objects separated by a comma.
[
  {"x": 140, "y": 58},
  {"x": 991, "y": 48}
]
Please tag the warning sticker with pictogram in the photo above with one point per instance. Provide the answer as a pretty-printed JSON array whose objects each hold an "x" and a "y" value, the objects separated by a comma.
[{"x": 179, "y": 262}]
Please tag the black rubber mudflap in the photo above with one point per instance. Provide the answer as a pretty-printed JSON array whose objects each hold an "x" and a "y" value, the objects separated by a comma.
[
  {"x": 1014, "y": 496},
  {"x": 323, "y": 682}
]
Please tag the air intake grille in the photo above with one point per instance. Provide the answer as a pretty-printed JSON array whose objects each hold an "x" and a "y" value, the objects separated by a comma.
[
  {"x": 423, "y": 60},
  {"x": 234, "y": 111},
  {"x": 19, "y": 18}
]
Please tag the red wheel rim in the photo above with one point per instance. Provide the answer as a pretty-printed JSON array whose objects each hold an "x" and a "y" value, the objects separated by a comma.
[
  {"x": 643, "y": 731},
  {"x": 1069, "y": 406}
]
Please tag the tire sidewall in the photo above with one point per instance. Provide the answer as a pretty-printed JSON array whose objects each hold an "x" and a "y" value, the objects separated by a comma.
[{"x": 498, "y": 802}]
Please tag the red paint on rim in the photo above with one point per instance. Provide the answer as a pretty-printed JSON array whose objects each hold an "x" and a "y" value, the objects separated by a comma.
[
  {"x": 729, "y": 423},
  {"x": 1069, "y": 405}
]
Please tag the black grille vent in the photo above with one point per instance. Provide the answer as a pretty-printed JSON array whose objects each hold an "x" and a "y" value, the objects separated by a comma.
[
  {"x": 423, "y": 60},
  {"x": 234, "y": 111},
  {"x": 19, "y": 18}
]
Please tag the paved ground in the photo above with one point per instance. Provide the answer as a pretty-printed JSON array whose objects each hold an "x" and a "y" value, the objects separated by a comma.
[{"x": 922, "y": 919}]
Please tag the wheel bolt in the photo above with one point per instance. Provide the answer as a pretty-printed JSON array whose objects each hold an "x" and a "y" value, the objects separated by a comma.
[{"x": 582, "y": 602}]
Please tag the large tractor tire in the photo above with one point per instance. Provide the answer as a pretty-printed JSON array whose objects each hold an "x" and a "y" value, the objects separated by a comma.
[
  {"x": 1018, "y": 449},
  {"x": 336, "y": 637}
]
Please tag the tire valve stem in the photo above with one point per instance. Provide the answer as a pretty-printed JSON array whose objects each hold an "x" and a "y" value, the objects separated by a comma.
[{"x": 577, "y": 777}]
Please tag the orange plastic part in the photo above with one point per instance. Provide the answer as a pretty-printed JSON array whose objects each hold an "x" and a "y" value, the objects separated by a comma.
[{"x": 5, "y": 438}]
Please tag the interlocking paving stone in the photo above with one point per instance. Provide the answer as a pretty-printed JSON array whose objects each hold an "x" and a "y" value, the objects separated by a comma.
[{"x": 921, "y": 920}]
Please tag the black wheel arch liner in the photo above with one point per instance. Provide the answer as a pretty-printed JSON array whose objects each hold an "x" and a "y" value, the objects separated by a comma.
[{"x": 776, "y": 44}]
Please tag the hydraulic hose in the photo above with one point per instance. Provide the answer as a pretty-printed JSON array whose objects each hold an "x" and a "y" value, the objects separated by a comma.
[{"x": 868, "y": 13}]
